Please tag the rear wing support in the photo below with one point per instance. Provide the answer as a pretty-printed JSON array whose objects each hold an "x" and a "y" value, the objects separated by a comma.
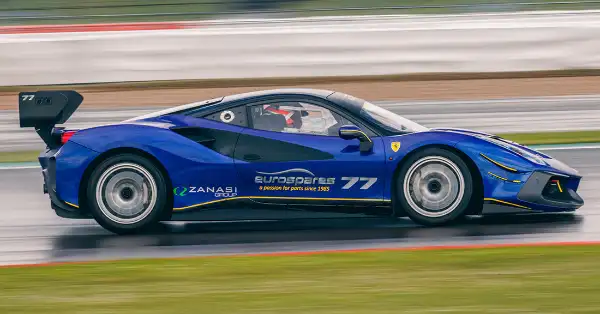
[{"x": 42, "y": 110}]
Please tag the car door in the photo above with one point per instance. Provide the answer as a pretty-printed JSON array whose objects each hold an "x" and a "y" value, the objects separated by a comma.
[
  {"x": 291, "y": 154},
  {"x": 206, "y": 178}
]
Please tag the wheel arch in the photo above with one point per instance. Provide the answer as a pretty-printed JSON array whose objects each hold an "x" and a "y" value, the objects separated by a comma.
[
  {"x": 82, "y": 193},
  {"x": 476, "y": 203}
]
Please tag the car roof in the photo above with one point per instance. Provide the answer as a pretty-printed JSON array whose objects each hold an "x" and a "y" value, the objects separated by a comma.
[
  {"x": 320, "y": 93},
  {"x": 348, "y": 102},
  {"x": 250, "y": 96},
  {"x": 223, "y": 101}
]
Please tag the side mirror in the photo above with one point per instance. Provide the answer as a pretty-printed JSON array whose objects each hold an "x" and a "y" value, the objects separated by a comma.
[{"x": 349, "y": 132}]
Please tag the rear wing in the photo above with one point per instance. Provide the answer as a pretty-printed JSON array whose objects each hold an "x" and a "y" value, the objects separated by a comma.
[{"x": 42, "y": 110}]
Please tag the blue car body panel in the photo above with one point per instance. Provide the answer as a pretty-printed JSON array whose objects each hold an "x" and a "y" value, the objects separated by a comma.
[
  {"x": 186, "y": 162},
  {"x": 202, "y": 178},
  {"x": 71, "y": 162},
  {"x": 347, "y": 161}
]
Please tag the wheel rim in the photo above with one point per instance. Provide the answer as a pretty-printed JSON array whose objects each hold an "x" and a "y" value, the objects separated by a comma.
[
  {"x": 434, "y": 186},
  {"x": 126, "y": 193}
]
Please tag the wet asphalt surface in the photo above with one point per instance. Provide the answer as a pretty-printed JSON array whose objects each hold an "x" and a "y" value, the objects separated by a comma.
[{"x": 30, "y": 232}]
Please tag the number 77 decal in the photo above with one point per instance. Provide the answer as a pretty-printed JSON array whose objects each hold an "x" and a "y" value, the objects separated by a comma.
[{"x": 352, "y": 181}]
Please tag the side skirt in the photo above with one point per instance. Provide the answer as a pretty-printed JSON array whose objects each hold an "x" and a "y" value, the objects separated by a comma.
[{"x": 246, "y": 209}]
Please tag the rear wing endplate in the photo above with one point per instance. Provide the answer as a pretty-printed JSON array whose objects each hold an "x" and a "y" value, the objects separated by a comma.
[
  {"x": 42, "y": 110},
  {"x": 47, "y": 108}
]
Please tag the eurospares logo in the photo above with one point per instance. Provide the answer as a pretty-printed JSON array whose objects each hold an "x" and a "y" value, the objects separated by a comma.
[{"x": 281, "y": 177}]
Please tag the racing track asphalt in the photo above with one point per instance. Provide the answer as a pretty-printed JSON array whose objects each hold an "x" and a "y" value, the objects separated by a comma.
[{"x": 31, "y": 233}]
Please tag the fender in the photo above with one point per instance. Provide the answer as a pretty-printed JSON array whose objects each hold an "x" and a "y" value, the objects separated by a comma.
[
  {"x": 470, "y": 145},
  {"x": 187, "y": 163}
]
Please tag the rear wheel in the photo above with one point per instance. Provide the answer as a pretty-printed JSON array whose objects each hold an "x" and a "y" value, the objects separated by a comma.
[
  {"x": 434, "y": 187},
  {"x": 127, "y": 193}
]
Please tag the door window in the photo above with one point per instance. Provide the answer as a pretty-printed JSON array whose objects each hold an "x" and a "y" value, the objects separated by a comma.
[
  {"x": 297, "y": 117},
  {"x": 236, "y": 116}
]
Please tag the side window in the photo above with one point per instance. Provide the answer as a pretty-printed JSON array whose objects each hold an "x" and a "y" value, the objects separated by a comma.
[
  {"x": 296, "y": 117},
  {"x": 235, "y": 116}
]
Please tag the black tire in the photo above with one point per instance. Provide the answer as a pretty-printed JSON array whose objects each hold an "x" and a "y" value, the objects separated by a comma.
[
  {"x": 441, "y": 173},
  {"x": 138, "y": 182}
]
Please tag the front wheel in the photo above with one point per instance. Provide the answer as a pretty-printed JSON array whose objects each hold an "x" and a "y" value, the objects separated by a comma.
[
  {"x": 127, "y": 193},
  {"x": 434, "y": 187}
]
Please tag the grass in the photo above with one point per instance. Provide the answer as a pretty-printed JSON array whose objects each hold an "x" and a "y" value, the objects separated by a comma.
[
  {"x": 203, "y": 9},
  {"x": 434, "y": 6},
  {"x": 570, "y": 137},
  {"x": 23, "y": 156},
  {"x": 523, "y": 138},
  {"x": 506, "y": 280}
]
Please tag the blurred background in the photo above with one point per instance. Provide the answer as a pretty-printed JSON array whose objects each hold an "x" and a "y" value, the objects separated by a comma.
[
  {"x": 18, "y": 12},
  {"x": 525, "y": 69},
  {"x": 427, "y": 60}
]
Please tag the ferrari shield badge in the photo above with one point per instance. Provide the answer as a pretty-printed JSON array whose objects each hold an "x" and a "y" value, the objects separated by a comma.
[{"x": 395, "y": 146}]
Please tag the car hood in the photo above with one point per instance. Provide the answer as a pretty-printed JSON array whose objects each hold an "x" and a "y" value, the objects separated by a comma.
[
  {"x": 492, "y": 136},
  {"x": 462, "y": 131},
  {"x": 551, "y": 162}
]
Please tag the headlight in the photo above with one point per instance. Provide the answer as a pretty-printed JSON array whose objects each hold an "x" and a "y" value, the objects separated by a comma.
[
  {"x": 531, "y": 157},
  {"x": 521, "y": 152}
]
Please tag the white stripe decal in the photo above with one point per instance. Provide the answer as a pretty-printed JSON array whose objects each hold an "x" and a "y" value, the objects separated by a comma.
[{"x": 287, "y": 171}]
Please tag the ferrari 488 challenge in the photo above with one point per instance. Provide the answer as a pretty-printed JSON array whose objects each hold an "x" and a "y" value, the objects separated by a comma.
[{"x": 283, "y": 154}]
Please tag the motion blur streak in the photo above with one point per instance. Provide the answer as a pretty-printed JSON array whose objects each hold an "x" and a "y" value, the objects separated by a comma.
[
  {"x": 28, "y": 11},
  {"x": 30, "y": 232},
  {"x": 121, "y": 27},
  {"x": 94, "y": 10},
  {"x": 292, "y": 48},
  {"x": 344, "y": 251}
]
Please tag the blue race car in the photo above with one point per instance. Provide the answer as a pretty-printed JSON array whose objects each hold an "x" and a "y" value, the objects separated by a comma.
[{"x": 283, "y": 154}]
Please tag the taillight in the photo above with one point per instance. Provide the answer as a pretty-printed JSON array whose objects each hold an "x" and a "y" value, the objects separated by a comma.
[{"x": 66, "y": 135}]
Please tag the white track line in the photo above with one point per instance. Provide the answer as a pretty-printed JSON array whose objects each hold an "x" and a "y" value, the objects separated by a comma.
[
  {"x": 18, "y": 167},
  {"x": 569, "y": 148}
]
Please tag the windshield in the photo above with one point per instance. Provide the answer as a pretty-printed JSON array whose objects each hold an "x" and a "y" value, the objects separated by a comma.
[{"x": 389, "y": 120}]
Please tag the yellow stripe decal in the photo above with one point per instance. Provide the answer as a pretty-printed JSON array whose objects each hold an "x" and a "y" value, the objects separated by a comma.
[
  {"x": 363, "y": 133},
  {"x": 505, "y": 202},
  {"x": 558, "y": 185},
  {"x": 71, "y": 204},
  {"x": 284, "y": 198},
  {"x": 498, "y": 164},
  {"x": 497, "y": 176},
  {"x": 502, "y": 178}
]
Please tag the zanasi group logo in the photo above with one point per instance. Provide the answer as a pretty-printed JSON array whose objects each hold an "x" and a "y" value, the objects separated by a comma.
[
  {"x": 219, "y": 191},
  {"x": 180, "y": 191},
  {"x": 281, "y": 178}
]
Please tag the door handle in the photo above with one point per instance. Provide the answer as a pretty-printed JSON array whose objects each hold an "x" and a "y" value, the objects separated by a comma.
[{"x": 251, "y": 157}]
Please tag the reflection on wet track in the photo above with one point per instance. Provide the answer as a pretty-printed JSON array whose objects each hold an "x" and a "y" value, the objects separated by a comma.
[{"x": 30, "y": 232}]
